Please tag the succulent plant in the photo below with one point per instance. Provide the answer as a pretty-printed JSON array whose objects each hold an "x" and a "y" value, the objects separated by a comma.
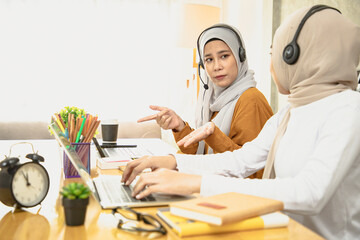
[{"x": 75, "y": 190}]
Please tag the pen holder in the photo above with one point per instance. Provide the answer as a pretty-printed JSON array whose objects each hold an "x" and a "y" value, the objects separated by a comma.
[{"x": 83, "y": 150}]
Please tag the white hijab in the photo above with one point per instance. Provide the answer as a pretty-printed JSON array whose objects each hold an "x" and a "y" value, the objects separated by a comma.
[{"x": 217, "y": 99}]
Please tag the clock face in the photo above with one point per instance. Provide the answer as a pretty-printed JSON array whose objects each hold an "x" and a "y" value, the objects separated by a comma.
[{"x": 30, "y": 184}]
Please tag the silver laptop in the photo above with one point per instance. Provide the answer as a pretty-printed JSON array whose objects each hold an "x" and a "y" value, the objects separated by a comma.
[{"x": 108, "y": 189}]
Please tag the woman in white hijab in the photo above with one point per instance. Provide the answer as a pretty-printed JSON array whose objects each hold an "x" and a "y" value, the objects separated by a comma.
[
  {"x": 310, "y": 149},
  {"x": 230, "y": 110}
]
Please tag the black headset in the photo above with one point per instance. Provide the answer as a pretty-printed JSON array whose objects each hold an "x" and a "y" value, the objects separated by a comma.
[
  {"x": 242, "y": 53},
  {"x": 291, "y": 52}
]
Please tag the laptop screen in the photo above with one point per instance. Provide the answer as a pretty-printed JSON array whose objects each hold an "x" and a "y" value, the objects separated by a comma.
[{"x": 74, "y": 157}]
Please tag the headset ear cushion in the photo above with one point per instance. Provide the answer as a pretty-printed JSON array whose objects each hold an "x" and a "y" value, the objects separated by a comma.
[{"x": 291, "y": 53}]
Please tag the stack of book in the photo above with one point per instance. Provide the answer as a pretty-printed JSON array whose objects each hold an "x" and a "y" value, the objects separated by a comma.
[{"x": 222, "y": 213}]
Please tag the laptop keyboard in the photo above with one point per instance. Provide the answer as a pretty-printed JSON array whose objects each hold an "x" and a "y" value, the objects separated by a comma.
[
  {"x": 119, "y": 193},
  {"x": 133, "y": 153}
]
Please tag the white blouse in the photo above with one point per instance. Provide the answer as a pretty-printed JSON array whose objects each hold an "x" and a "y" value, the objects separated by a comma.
[{"x": 316, "y": 165}]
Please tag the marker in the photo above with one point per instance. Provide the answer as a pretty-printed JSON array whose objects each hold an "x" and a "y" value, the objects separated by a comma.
[
  {"x": 80, "y": 131},
  {"x": 60, "y": 125}
]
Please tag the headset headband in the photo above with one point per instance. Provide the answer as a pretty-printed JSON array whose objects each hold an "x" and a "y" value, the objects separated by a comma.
[
  {"x": 242, "y": 54},
  {"x": 291, "y": 52}
]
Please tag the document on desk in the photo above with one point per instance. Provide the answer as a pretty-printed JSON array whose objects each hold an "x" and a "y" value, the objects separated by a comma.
[{"x": 130, "y": 149}]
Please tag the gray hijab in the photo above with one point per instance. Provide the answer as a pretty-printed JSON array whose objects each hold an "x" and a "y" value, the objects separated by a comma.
[{"x": 217, "y": 99}]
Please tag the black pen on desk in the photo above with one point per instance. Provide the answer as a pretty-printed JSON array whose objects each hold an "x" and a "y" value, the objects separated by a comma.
[{"x": 118, "y": 146}]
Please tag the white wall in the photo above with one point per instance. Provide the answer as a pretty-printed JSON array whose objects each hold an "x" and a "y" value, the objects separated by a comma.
[
  {"x": 111, "y": 57},
  {"x": 253, "y": 19}
]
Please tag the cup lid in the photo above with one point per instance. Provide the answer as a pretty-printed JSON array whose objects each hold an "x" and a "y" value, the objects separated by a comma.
[{"x": 109, "y": 122}]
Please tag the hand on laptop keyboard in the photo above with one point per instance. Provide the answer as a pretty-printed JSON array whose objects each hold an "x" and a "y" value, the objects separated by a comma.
[
  {"x": 166, "y": 181},
  {"x": 137, "y": 166}
]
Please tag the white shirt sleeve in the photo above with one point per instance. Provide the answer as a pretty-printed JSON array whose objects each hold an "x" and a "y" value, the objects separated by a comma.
[
  {"x": 334, "y": 162},
  {"x": 239, "y": 163}
]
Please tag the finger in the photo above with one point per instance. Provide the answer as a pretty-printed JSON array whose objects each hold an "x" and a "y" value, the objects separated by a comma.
[
  {"x": 151, "y": 117},
  {"x": 157, "y": 108},
  {"x": 184, "y": 139},
  {"x": 167, "y": 123},
  {"x": 146, "y": 192},
  {"x": 129, "y": 168},
  {"x": 143, "y": 181},
  {"x": 136, "y": 171},
  {"x": 162, "y": 113},
  {"x": 189, "y": 139},
  {"x": 147, "y": 118},
  {"x": 162, "y": 117},
  {"x": 194, "y": 138},
  {"x": 189, "y": 142},
  {"x": 132, "y": 169},
  {"x": 198, "y": 135}
]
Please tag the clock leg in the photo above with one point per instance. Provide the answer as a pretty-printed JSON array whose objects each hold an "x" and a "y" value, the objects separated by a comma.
[{"x": 15, "y": 207}]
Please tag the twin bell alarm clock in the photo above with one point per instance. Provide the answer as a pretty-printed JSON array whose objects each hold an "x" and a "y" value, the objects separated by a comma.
[{"x": 23, "y": 184}]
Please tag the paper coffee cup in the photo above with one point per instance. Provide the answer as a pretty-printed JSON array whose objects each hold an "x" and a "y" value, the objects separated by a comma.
[{"x": 109, "y": 131}]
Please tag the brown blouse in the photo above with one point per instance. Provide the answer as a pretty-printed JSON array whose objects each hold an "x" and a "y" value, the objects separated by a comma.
[{"x": 250, "y": 114}]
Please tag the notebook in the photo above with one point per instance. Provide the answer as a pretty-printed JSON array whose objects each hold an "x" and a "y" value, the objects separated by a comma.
[
  {"x": 108, "y": 190},
  {"x": 113, "y": 156}
]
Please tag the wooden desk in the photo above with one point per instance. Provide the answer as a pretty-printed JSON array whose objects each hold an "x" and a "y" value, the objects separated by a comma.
[{"x": 47, "y": 221}]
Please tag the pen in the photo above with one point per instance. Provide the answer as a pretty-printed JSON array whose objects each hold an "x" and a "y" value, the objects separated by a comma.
[
  {"x": 60, "y": 125},
  {"x": 118, "y": 146},
  {"x": 80, "y": 131},
  {"x": 67, "y": 133},
  {"x": 61, "y": 120}
]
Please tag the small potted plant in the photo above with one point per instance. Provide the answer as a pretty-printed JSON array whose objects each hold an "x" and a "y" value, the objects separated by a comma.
[{"x": 75, "y": 198}]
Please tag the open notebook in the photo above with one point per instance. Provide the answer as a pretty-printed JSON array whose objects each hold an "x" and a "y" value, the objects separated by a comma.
[{"x": 107, "y": 189}]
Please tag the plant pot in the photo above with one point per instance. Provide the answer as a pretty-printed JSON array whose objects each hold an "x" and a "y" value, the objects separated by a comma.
[{"x": 75, "y": 211}]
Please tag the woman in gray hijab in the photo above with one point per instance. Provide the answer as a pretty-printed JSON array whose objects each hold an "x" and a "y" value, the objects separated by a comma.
[{"x": 230, "y": 109}]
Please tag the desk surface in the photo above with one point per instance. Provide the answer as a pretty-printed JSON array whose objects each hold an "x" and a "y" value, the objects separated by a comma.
[{"x": 47, "y": 221}]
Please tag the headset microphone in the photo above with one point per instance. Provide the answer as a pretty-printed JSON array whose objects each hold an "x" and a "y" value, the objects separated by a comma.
[{"x": 206, "y": 86}]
